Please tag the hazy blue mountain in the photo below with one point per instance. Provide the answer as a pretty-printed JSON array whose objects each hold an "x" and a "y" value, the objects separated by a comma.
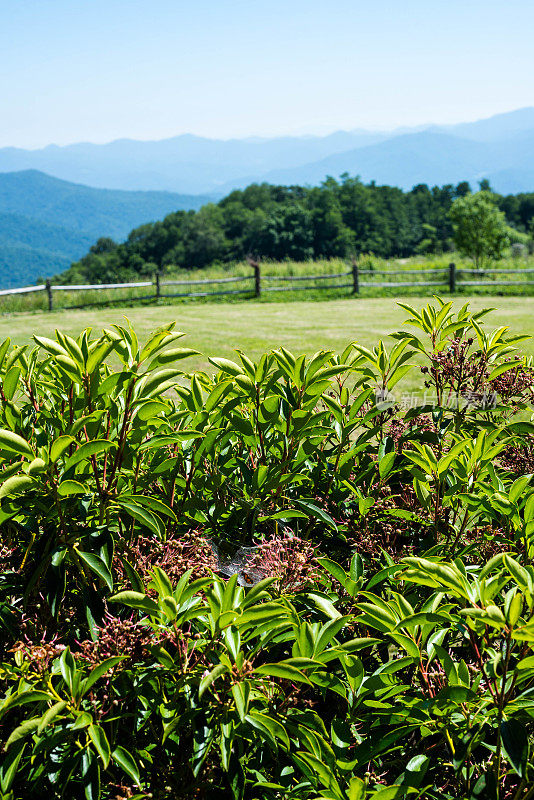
[
  {"x": 46, "y": 223},
  {"x": 498, "y": 127},
  {"x": 402, "y": 161},
  {"x": 187, "y": 163},
  {"x": 193, "y": 164},
  {"x": 427, "y": 157}
]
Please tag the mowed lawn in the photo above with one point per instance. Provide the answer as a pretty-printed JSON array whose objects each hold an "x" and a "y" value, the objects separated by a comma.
[{"x": 216, "y": 329}]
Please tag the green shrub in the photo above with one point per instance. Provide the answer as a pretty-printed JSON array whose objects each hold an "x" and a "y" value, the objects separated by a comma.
[{"x": 376, "y": 642}]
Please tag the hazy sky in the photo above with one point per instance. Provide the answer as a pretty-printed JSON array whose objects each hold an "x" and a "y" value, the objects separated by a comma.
[{"x": 96, "y": 70}]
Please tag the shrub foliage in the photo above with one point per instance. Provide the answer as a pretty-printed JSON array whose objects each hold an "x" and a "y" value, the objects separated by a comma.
[{"x": 378, "y": 642}]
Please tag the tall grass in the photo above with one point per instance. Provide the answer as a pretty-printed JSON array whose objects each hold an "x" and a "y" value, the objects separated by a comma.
[{"x": 373, "y": 270}]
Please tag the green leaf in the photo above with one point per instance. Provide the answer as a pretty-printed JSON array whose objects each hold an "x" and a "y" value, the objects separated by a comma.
[
  {"x": 151, "y": 409},
  {"x": 143, "y": 516},
  {"x": 334, "y": 569},
  {"x": 96, "y": 564},
  {"x": 221, "y": 390},
  {"x": 317, "y": 769},
  {"x": 281, "y": 670},
  {"x": 505, "y": 367},
  {"x": 240, "y": 693},
  {"x": 70, "y": 487},
  {"x": 515, "y": 744},
  {"x": 212, "y": 676},
  {"x": 59, "y": 446},
  {"x": 15, "y": 443},
  {"x": 390, "y": 667},
  {"x": 125, "y": 760},
  {"x": 50, "y": 346},
  {"x": 90, "y": 775},
  {"x": 9, "y": 767},
  {"x": 389, "y": 793},
  {"x": 22, "y": 731},
  {"x": 175, "y": 354},
  {"x": 83, "y": 721},
  {"x": 169, "y": 607},
  {"x": 152, "y": 503},
  {"x": 99, "y": 739},
  {"x": 11, "y": 381},
  {"x": 315, "y": 511},
  {"x": 226, "y": 366},
  {"x": 21, "y": 698},
  {"x": 287, "y": 514},
  {"x": 386, "y": 464},
  {"x": 67, "y": 666},
  {"x": 87, "y": 450},
  {"x": 518, "y": 487},
  {"x": 236, "y": 777},
  {"x": 15, "y": 485},
  {"x": 276, "y": 728},
  {"x": 159, "y": 382},
  {"x": 519, "y": 573},
  {"x": 99, "y": 671},
  {"x": 407, "y": 644},
  {"x": 136, "y": 600},
  {"x": 36, "y": 467},
  {"x": 133, "y": 576},
  {"x": 97, "y": 356},
  {"x": 324, "y": 604},
  {"x": 51, "y": 714},
  {"x": 356, "y": 789}
]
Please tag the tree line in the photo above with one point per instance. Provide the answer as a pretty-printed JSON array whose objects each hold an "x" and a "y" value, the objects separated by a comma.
[{"x": 337, "y": 218}]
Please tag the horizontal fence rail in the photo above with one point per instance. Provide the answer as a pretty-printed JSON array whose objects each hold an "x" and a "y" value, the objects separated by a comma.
[
  {"x": 77, "y": 287},
  {"x": 495, "y": 271},
  {"x": 304, "y": 288},
  {"x": 403, "y": 284},
  {"x": 24, "y": 290},
  {"x": 497, "y": 283},
  {"x": 207, "y": 294},
  {"x": 208, "y": 280},
  {"x": 305, "y": 277},
  {"x": 401, "y": 271},
  {"x": 439, "y": 277}
]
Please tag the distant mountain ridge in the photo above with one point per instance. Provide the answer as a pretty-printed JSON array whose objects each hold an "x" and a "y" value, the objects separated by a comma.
[
  {"x": 197, "y": 165},
  {"x": 46, "y": 223},
  {"x": 410, "y": 159},
  {"x": 57, "y": 201}
]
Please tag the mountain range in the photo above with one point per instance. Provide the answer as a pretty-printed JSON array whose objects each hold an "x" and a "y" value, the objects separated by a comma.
[
  {"x": 46, "y": 223},
  {"x": 56, "y": 201},
  {"x": 500, "y": 148}
]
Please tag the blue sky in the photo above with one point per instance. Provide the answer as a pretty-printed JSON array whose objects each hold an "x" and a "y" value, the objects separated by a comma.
[{"x": 96, "y": 70}]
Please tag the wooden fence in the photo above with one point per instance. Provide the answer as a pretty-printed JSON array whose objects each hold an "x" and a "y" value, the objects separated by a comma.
[{"x": 449, "y": 278}]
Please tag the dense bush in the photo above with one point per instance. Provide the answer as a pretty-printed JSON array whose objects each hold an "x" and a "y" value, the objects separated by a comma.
[
  {"x": 281, "y": 222},
  {"x": 377, "y": 643}
]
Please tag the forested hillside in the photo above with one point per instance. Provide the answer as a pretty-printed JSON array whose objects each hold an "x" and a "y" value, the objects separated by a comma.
[
  {"x": 279, "y": 222},
  {"x": 46, "y": 223}
]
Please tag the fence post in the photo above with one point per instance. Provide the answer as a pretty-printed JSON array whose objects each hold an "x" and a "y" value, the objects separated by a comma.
[
  {"x": 452, "y": 278},
  {"x": 355, "y": 277},
  {"x": 257, "y": 275},
  {"x": 49, "y": 293},
  {"x": 158, "y": 287}
]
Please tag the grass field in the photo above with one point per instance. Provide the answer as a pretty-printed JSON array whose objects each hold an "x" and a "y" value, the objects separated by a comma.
[{"x": 216, "y": 329}]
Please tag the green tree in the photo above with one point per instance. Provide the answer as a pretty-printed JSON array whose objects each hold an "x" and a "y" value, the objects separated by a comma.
[{"x": 480, "y": 229}]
